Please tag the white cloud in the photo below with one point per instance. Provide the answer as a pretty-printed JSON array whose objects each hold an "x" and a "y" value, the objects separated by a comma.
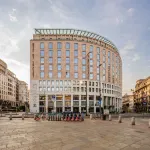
[
  {"x": 130, "y": 11},
  {"x": 12, "y": 16},
  {"x": 118, "y": 21},
  {"x": 135, "y": 57},
  {"x": 127, "y": 48}
]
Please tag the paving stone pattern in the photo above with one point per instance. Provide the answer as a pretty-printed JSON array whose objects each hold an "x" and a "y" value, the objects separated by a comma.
[{"x": 28, "y": 134}]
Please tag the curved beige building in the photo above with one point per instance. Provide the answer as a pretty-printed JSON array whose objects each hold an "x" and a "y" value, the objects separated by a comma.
[
  {"x": 65, "y": 63},
  {"x": 7, "y": 86}
]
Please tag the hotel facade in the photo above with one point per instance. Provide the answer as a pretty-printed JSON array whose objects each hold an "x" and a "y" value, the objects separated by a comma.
[{"x": 70, "y": 69}]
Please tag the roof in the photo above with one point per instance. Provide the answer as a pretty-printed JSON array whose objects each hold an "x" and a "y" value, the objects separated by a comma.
[{"x": 75, "y": 32}]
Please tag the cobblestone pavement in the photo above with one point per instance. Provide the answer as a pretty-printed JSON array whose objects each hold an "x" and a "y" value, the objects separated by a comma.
[{"x": 28, "y": 134}]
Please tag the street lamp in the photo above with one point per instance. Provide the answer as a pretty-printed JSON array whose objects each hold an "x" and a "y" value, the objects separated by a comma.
[
  {"x": 100, "y": 89},
  {"x": 87, "y": 79}
]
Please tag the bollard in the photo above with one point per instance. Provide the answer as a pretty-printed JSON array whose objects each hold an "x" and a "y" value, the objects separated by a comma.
[
  {"x": 22, "y": 116},
  {"x": 47, "y": 116},
  {"x": 120, "y": 119},
  {"x": 110, "y": 118},
  {"x": 34, "y": 116},
  {"x": 133, "y": 121},
  {"x": 91, "y": 116},
  {"x": 149, "y": 123},
  {"x": 10, "y": 116}
]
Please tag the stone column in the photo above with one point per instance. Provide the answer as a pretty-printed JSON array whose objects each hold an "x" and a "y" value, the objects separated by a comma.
[
  {"x": 80, "y": 103},
  {"x": 71, "y": 102},
  {"x": 106, "y": 100},
  {"x": 63, "y": 103},
  {"x": 94, "y": 103},
  {"x": 46, "y": 105},
  {"x": 88, "y": 105}
]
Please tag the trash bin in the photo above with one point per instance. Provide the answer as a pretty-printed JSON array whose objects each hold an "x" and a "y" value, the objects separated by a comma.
[{"x": 103, "y": 117}]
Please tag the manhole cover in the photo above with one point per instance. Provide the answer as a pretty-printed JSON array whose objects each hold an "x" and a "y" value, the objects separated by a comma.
[{"x": 139, "y": 131}]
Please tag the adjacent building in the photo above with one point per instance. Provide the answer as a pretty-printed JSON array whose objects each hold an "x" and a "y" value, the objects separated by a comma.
[
  {"x": 9, "y": 87},
  {"x": 128, "y": 103},
  {"x": 142, "y": 95},
  {"x": 70, "y": 68}
]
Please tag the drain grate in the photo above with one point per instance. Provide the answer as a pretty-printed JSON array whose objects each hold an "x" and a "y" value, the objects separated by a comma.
[{"x": 139, "y": 131}]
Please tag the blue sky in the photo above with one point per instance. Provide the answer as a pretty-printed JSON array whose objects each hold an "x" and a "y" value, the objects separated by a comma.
[{"x": 125, "y": 22}]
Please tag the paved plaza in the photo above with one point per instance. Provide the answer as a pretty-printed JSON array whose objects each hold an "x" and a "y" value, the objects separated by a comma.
[{"x": 28, "y": 134}]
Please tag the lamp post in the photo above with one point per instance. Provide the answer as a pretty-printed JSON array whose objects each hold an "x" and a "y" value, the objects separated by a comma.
[
  {"x": 87, "y": 56},
  {"x": 100, "y": 89}
]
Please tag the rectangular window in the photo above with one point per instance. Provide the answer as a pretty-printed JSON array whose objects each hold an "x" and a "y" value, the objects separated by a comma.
[
  {"x": 50, "y": 74},
  {"x": 50, "y": 60},
  {"x": 109, "y": 54},
  {"x": 104, "y": 71},
  {"x": 67, "y": 74},
  {"x": 59, "y": 53},
  {"x": 52, "y": 89},
  {"x": 59, "y": 45},
  {"x": 67, "y": 53},
  {"x": 97, "y": 77},
  {"x": 61, "y": 82},
  {"x": 59, "y": 60},
  {"x": 91, "y": 69},
  {"x": 42, "y": 53},
  {"x": 83, "y": 53},
  {"x": 50, "y": 45},
  {"x": 59, "y": 67},
  {"x": 48, "y": 82},
  {"x": 67, "y": 60},
  {"x": 67, "y": 67},
  {"x": 52, "y": 82},
  {"x": 75, "y": 68},
  {"x": 104, "y": 78},
  {"x": 42, "y": 60},
  {"x": 59, "y": 74},
  {"x": 67, "y": 45},
  {"x": 42, "y": 74},
  {"x": 98, "y": 57},
  {"x": 83, "y": 75},
  {"x": 75, "y": 60},
  {"x": 91, "y": 62},
  {"x": 91, "y": 48},
  {"x": 83, "y": 68},
  {"x": 98, "y": 50},
  {"x": 104, "y": 52},
  {"x": 91, "y": 76},
  {"x": 50, "y": 53},
  {"x": 75, "y": 53},
  {"x": 98, "y": 63},
  {"x": 40, "y": 82},
  {"x": 48, "y": 89},
  {"x": 104, "y": 65},
  {"x": 83, "y": 47},
  {"x": 76, "y": 75},
  {"x": 42, "y": 67},
  {"x": 83, "y": 61},
  {"x": 97, "y": 70},
  {"x": 75, "y": 46},
  {"x": 108, "y": 61},
  {"x": 50, "y": 67},
  {"x": 42, "y": 45},
  {"x": 104, "y": 58},
  {"x": 91, "y": 55}
]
